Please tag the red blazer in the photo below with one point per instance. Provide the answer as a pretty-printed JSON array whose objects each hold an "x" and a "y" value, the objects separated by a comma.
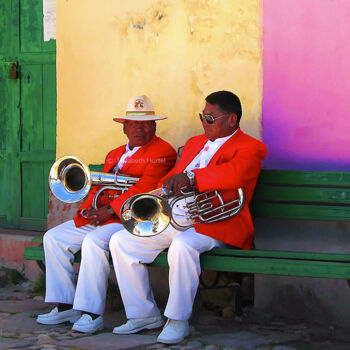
[
  {"x": 236, "y": 164},
  {"x": 151, "y": 162}
]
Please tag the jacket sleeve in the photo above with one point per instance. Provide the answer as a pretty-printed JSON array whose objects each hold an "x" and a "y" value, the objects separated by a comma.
[
  {"x": 157, "y": 166},
  {"x": 239, "y": 171}
]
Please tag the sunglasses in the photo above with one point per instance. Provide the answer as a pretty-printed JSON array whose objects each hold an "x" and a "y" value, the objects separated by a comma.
[{"x": 209, "y": 118}]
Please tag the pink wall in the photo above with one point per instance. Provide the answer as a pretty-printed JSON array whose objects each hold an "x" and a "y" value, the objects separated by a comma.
[{"x": 306, "y": 98}]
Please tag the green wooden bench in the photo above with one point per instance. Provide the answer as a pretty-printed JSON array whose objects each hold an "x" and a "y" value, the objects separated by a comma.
[{"x": 302, "y": 195}]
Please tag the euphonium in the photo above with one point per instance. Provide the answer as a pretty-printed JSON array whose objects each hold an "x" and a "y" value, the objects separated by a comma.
[
  {"x": 70, "y": 180},
  {"x": 149, "y": 214}
]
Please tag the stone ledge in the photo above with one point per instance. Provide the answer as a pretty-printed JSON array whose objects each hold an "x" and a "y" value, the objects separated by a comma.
[{"x": 12, "y": 247}]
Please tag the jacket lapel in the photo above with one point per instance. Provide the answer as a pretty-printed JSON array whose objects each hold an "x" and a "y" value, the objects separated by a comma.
[
  {"x": 139, "y": 154},
  {"x": 229, "y": 144},
  {"x": 110, "y": 165},
  {"x": 189, "y": 154}
]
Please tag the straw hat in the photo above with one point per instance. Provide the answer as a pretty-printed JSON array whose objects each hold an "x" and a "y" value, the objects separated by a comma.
[{"x": 139, "y": 108}]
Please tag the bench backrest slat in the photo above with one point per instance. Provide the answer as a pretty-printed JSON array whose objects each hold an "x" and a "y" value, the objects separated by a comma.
[
  {"x": 298, "y": 177},
  {"x": 300, "y": 211},
  {"x": 311, "y": 195},
  {"x": 327, "y": 195}
]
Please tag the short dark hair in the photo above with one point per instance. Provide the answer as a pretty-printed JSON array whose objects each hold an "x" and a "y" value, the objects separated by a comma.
[{"x": 227, "y": 101}]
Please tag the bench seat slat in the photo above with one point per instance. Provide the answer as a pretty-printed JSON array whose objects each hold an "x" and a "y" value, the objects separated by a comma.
[
  {"x": 301, "y": 211},
  {"x": 37, "y": 253},
  {"x": 270, "y": 266},
  {"x": 34, "y": 253},
  {"x": 283, "y": 267},
  {"x": 38, "y": 239},
  {"x": 280, "y": 254},
  {"x": 332, "y": 266}
]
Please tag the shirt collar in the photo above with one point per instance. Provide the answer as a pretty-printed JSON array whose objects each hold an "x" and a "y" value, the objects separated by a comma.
[
  {"x": 128, "y": 148},
  {"x": 223, "y": 139}
]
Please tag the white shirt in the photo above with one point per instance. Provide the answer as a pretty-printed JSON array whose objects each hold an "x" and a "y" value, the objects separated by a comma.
[
  {"x": 124, "y": 158},
  {"x": 202, "y": 159}
]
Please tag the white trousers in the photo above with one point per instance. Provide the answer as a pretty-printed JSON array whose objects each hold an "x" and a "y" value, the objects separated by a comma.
[
  {"x": 60, "y": 244},
  {"x": 130, "y": 253}
]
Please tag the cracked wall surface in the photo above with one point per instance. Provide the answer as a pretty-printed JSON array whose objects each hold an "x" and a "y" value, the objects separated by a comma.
[{"x": 176, "y": 52}]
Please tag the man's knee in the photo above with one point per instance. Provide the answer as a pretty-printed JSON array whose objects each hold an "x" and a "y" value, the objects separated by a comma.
[
  {"x": 114, "y": 241},
  {"x": 94, "y": 240},
  {"x": 50, "y": 236},
  {"x": 179, "y": 246}
]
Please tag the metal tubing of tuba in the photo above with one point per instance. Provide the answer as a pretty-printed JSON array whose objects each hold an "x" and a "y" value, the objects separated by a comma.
[
  {"x": 149, "y": 214},
  {"x": 70, "y": 180}
]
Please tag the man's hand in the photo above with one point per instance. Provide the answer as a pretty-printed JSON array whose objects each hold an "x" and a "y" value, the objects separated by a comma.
[
  {"x": 175, "y": 183},
  {"x": 98, "y": 216}
]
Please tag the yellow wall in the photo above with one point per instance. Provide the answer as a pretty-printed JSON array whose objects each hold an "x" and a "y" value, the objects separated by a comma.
[{"x": 176, "y": 52}]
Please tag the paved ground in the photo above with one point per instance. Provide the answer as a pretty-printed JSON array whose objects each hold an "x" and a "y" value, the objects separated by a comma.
[{"x": 253, "y": 331}]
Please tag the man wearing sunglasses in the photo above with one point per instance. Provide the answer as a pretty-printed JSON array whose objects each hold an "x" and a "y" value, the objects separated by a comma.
[{"x": 223, "y": 158}]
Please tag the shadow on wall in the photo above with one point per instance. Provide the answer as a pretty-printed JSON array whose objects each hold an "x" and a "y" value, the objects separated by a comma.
[{"x": 320, "y": 300}]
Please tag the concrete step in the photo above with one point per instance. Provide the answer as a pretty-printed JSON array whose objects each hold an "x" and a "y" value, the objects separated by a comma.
[{"x": 12, "y": 244}]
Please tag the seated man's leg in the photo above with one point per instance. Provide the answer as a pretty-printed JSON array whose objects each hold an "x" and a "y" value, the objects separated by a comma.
[
  {"x": 184, "y": 271},
  {"x": 92, "y": 282},
  {"x": 130, "y": 253},
  {"x": 60, "y": 245}
]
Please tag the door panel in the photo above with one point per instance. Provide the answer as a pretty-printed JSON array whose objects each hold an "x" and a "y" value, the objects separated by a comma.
[
  {"x": 5, "y": 25},
  {"x": 27, "y": 115},
  {"x": 34, "y": 208},
  {"x": 31, "y": 108},
  {"x": 3, "y": 137},
  {"x": 49, "y": 107},
  {"x": 4, "y": 107},
  {"x": 32, "y": 28},
  {"x": 9, "y": 127}
]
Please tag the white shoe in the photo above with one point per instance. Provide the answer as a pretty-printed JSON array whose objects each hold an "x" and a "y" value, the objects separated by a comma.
[
  {"x": 86, "y": 324},
  {"x": 174, "y": 332},
  {"x": 134, "y": 325},
  {"x": 57, "y": 317}
]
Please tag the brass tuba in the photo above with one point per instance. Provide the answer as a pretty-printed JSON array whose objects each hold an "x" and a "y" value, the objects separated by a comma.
[
  {"x": 150, "y": 213},
  {"x": 70, "y": 180}
]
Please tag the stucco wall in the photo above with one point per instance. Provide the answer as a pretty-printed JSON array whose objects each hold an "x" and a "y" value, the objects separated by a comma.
[
  {"x": 176, "y": 52},
  {"x": 306, "y": 83}
]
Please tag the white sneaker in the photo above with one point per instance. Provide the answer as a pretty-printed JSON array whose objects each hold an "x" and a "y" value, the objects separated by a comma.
[
  {"x": 86, "y": 324},
  {"x": 134, "y": 325},
  {"x": 174, "y": 332},
  {"x": 57, "y": 317}
]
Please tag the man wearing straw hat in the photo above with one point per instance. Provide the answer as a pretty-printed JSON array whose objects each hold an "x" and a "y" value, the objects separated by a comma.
[{"x": 146, "y": 157}]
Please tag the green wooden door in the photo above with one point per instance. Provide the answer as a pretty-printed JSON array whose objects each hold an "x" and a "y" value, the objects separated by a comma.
[{"x": 27, "y": 115}]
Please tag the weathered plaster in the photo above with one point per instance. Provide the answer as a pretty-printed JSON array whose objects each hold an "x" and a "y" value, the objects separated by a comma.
[{"x": 176, "y": 52}]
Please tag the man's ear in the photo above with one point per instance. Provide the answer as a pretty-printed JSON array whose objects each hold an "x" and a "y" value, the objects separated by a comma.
[
  {"x": 233, "y": 119},
  {"x": 124, "y": 128}
]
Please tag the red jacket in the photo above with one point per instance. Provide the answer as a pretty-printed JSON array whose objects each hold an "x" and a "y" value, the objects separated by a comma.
[
  {"x": 151, "y": 162},
  {"x": 236, "y": 164}
]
